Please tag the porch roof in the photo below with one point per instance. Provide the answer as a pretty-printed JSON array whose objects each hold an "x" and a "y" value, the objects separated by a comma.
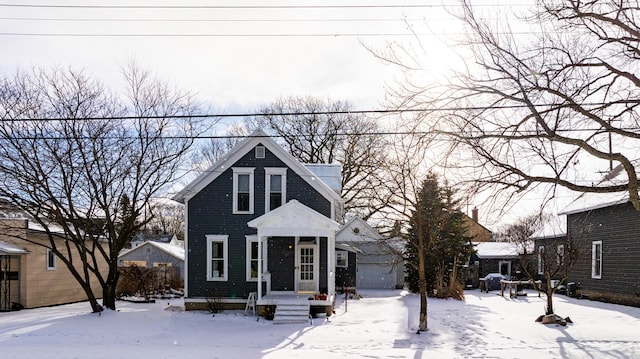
[
  {"x": 294, "y": 219},
  {"x": 11, "y": 249}
]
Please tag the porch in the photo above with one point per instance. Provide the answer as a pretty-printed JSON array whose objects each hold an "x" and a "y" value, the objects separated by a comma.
[{"x": 293, "y": 307}]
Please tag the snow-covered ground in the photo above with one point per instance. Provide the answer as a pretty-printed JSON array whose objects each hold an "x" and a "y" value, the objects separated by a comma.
[{"x": 380, "y": 325}]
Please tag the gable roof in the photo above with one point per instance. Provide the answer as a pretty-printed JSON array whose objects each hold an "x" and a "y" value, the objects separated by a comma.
[
  {"x": 174, "y": 251},
  {"x": 294, "y": 217},
  {"x": 228, "y": 160},
  {"x": 486, "y": 250},
  {"x": 366, "y": 233}
]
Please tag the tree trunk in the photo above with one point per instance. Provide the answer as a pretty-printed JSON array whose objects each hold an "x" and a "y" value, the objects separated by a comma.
[
  {"x": 109, "y": 288},
  {"x": 422, "y": 285}
]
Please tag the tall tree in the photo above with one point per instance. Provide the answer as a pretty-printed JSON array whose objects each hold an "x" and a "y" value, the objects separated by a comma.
[
  {"x": 549, "y": 97},
  {"x": 325, "y": 131},
  {"x": 424, "y": 227},
  {"x": 79, "y": 159}
]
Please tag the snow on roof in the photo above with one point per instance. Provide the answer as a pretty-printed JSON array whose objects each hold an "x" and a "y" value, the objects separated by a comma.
[
  {"x": 175, "y": 251},
  {"x": 496, "y": 249},
  {"x": 172, "y": 250},
  {"x": 11, "y": 249},
  {"x": 588, "y": 201},
  {"x": 554, "y": 228}
]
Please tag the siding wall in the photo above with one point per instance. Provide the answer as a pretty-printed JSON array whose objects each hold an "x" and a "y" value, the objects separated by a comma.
[
  {"x": 618, "y": 227},
  {"x": 40, "y": 287},
  {"x": 210, "y": 212}
]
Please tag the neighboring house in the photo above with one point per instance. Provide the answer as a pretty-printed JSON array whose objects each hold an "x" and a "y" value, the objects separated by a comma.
[
  {"x": 379, "y": 262},
  {"x": 551, "y": 238},
  {"x": 496, "y": 257},
  {"x": 30, "y": 274},
  {"x": 170, "y": 239},
  {"x": 166, "y": 258},
  {"x": 606, "y": 225},
  {"x": 475, "y": 230},
  {"x": 260, "y": 221}
]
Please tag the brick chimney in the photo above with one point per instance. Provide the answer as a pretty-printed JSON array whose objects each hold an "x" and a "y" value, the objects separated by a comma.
[{"x": 474, "y": 214}]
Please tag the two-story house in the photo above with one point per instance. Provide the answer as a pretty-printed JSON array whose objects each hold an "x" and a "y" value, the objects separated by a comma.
[{"x": 260, "y": 221}]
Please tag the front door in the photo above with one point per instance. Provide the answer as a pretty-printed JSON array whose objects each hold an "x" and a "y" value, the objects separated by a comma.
[{"x": 307, "y": 268}]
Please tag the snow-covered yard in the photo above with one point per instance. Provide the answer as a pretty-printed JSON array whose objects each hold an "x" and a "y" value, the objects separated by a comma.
[{"x": 380, "y": 325}]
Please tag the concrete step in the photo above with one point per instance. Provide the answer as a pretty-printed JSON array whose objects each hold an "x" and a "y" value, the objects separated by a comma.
[{"x": 291, "y": 313}]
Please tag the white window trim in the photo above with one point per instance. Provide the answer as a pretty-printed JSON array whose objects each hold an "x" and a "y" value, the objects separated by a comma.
[
  {"x": 225, "y": 253},
  {"x": 541, "y": 260},
  {"x": 268, "y": 171},
  {"x": 346, "y": 257},
  {"x": 595, "y": 245},
  {"x": 243, "y": 171},
  {"x": 253, "y": 239},
  {"x": 49, "y": 254}
]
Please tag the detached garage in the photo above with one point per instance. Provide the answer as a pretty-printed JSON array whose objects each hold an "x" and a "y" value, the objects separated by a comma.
[{"x": 379, "y": 263}]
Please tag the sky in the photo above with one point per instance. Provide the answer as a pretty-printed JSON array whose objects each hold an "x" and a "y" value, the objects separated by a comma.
[
  {"x": 234, "y": 55},
  {"x": 383, "y": 324},
  {"x": 237, "y": 56}
]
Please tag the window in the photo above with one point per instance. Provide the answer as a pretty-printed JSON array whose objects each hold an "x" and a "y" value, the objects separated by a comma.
[
  {"x": 51, "y": 260},
  {"x": 541, "y": 260},
  {"x": 252, "y": 258},
  {"x": 243, "y": 190},
  {"x": 342, "y": 260},
  {"x": 560, "y": 254},
  {"x": 259, "y": 151},
  {"x": 217, "y": 257},
  {"x": 596, "y": 260},
  {"x": 275, "y": 184}
]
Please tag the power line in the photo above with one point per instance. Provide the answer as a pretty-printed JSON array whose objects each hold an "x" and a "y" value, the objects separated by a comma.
[
  {"x": 213, "y": 35},
  {"x": 311, "y": 113},
  {"x": 254, "y": 7}
]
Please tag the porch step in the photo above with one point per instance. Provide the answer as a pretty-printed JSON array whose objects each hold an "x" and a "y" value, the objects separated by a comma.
[{"x": 292, "y": 313}]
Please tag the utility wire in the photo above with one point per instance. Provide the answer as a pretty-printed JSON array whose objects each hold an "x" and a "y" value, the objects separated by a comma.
[
  {"x": 256, "y": 7},
  {"x": 312, "y": 113}
]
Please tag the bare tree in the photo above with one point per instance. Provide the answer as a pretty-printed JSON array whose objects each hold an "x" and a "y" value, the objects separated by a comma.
[
  {"x": 317, "y": 131},
  {"x": 547, "y": 101},
  {"x": 85, "y": 163},
  {"x": 546, "y": 252},
  {"x": 166, "y": 218}
]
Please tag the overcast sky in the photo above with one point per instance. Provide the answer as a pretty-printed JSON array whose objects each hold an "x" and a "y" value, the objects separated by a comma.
[{"x": 236, "y": 55}]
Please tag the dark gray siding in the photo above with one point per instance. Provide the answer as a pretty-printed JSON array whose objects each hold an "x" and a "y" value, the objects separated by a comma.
[
  {"x": 282, "y": 259},
  {"x": 618, "y": 228},
  {"x": 347, "y": 276},
  {"x": 210, "y": 212}
]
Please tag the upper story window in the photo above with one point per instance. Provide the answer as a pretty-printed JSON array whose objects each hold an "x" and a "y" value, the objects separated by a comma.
[
  {"x": 276, "y": 188},
  {"x": 243, "y": 190},
  {"x": 596, "y": 260}
]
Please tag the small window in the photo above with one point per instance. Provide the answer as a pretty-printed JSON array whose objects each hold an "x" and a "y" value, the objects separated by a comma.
[
  {"x": 342, "y": 259},
  {"x": 596, "y": 260},
  {"x": 51, "y": 260},
  {"x": 276, "y": 187},
  {"x": 217, "y": 257},
  {"x": 243, "y": 190},
  {"x": 541, "y": 260},
  {"x": 252, "y": 258},
  {"x": 560, "y": 255},
  {"x": 259, "y": 151}
]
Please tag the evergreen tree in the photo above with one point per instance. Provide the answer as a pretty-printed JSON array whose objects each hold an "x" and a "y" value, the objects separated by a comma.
[{"x": 447, "y": 246}]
